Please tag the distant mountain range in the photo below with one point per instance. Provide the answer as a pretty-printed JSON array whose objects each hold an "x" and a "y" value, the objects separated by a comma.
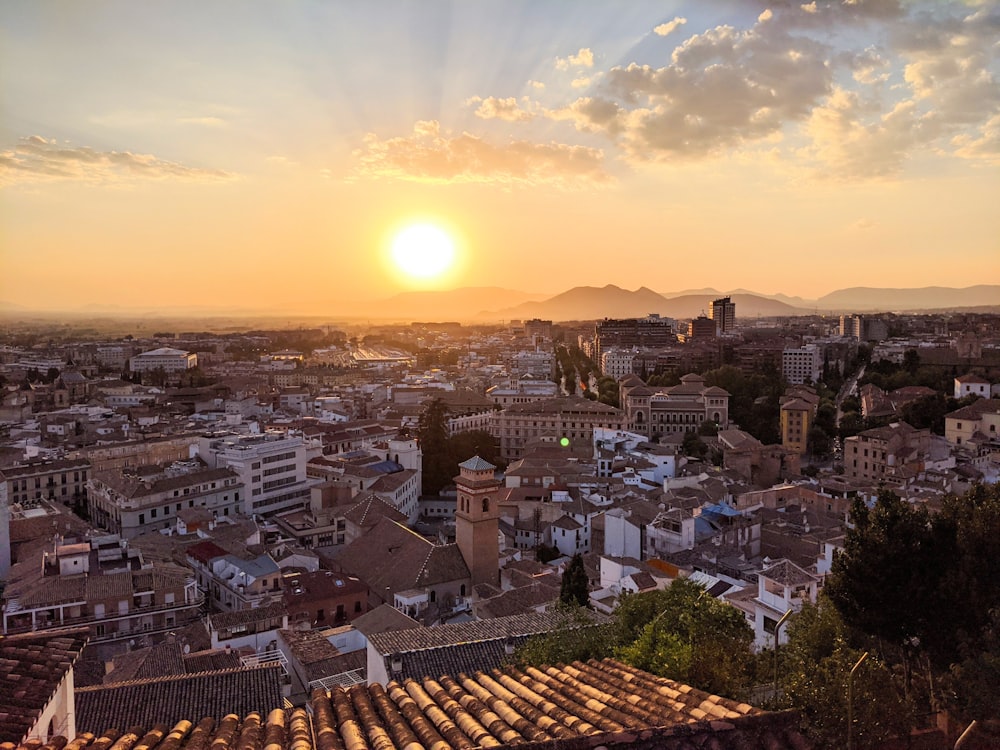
[
  {"x": 484, "y": 304},
  {"x": 492, "y": 304}
]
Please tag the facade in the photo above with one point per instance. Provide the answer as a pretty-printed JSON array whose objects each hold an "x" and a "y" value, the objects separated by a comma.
[
  {"x": 64, "y": 480},
  {"x": 234, "y": 583},
  {"x": 674, "y": 410},
  {"x": 617, "y": 363},
  {"x": 103, "y": 584},
  {"x": 796, "y": 419},
  {"x": 522, "y": 390},
  {"x": 169, "y": 360},
  {"x": 782, "y": 587},
  {"x": 803, "y": 364},
  {"x": 570, "y": 417},
  {"x": 975, "y": 424},
  {"x": 650, "y": 332},
  {"x": 972, "y": 385},
  {"x": 270, "y": 466},
  {"x": 876, "y": 455},
  {"x": 701, "y": 328},
  {"x": 133, "y": 502},
  {"x": 723, "y": 312}
]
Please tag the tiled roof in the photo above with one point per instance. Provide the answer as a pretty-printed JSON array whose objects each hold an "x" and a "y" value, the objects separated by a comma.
[
  {"x": 576, "y": 707},
  {"x": 476, "y": 464},
  {"x": 31, "y": 667},
  {"x": 369, "y": 511},
  {"x": 169, "y": 700},
  {"x": 401, "y": 641},
  {"x": 228, "y": 620},
  {"x": 382, "y": 619}
]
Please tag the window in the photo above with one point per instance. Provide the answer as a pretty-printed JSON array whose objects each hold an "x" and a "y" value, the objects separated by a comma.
[{"x": 357, "y": 605}]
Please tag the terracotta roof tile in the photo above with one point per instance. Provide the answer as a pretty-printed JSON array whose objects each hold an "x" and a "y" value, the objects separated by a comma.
[{"x": 31, "y": 667}]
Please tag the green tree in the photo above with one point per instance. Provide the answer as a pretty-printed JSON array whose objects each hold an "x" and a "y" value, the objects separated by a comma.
[
  {"x": 432, "y": 433},
  {"x": 814, "y": 670},
  {"x": 574, "y": 589},
  {"x": 685, "y": 634},
  {"x": 694, "y": 446}
]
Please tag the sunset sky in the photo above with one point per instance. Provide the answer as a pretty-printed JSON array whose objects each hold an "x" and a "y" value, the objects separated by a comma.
[{"x": 262, "y": 155}]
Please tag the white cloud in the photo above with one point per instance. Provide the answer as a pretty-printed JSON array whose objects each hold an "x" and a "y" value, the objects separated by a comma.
[
  {"x": 430, "y": 155},
  {"x": 665, "y": 29},
  {"x": 582, "y": 59},
  {"x": 495, "y": 108},
  {"x": 36, "y": 159}
]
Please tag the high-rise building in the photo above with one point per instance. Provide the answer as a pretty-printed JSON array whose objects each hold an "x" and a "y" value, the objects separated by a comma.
[
  {"x": 651, "y": 332},
  {"x": 723, "y": 312}
]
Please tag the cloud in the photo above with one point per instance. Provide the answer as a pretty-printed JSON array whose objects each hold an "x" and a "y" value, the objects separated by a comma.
[
  {"x": 722, "y": 89},
  {"x": 665, "y": 28},
  {"x": 863, "y": 224},
  {"x": 35, "y": 159},
  {"x": 582, "y": 59},
  {"x": 429, "y": 155},
  {"x": 495, "y": 108}
]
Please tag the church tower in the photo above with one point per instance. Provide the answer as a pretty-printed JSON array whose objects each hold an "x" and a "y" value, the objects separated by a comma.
[{"x": 476, "y": 519}]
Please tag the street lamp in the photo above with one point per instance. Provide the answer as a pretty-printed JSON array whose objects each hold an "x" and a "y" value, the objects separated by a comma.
[{"x": 850, "y": 701}]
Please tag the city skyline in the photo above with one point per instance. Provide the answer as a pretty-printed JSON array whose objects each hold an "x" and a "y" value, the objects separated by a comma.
[{"x": 254, "y": 156}]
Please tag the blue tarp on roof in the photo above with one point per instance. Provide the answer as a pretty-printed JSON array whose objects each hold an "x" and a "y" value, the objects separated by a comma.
[
  {"x": 720, "y": 509},
  {"x": 385, "y": 467}
]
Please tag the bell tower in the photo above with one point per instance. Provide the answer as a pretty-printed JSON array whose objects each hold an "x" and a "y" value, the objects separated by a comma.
[{"x": 477, "y": 519}]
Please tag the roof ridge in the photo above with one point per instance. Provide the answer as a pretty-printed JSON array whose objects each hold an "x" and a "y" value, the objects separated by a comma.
[{"x": 175, "y": 677}]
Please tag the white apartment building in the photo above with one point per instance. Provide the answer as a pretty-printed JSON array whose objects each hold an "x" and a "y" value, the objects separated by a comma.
[
  {"x": 170, "y": 360},
  {"x": 802, "y": 364},
  {"x": 617, "y": 363},
  {"x": 271, "y": 467}
]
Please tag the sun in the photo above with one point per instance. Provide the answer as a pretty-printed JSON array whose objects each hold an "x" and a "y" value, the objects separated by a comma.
[{"x": 423, "y": 251}]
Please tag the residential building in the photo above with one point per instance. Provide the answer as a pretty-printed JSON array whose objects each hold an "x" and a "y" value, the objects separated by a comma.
[
  {"x": 101, "y": 583},
  {"x": 972, "y": 385},
  {"x": 723, "y": 312},
  {"x": 324, "y": 599},
  {"x": 64, "y": 480},
  {"x": 617, "y": 363},
  {"x": 231, "y": 582},
  {"x": 796, "y": 419},
  {"x": 802, "y": 364},
  {"x": 978, "y": 423},
  {"x": 877, "y": 455},
  {"x": 781, "y": 587},
  {"x": 701, "y": 328},
  {"x": 271, "y": 467},
  {"x": 650, "y": 332},
  {"x": 134, "y": 501}
]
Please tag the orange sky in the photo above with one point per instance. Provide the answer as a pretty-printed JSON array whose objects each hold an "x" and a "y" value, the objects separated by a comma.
[{"x": 260, "y": 156}]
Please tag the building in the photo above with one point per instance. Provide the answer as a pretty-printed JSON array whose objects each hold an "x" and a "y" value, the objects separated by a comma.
[
  {"x": 701, "y": 328},
  {"x": 171, "y": 361},
  {"x": 863, "y": 328},
  {"x": 650, "y": 332},
  {"x": 101, "y": 583},
  {"x": 781, "y": 587},
  {"x": 617, "y": 363},
  {"x": 977, "y": 423},
  {"x": 723, "y": 312},
  {"x": 37, "y": 687},
  {"x": 134, "y": 501},
  {"x": 64, "y": 480},
  {"x": 477, "y": 516},
  {"x": 878, "y": 454},
  {"x": 803, "y": 364},
  {"x": 270, "y": 466},
  {"x": 796, "y": 419},
  {"x": 571, "y": 417},
  {"x": 324, "y": 599},
  {"x": 673, "y": 410},
  {"x": 972, "y": 385}
]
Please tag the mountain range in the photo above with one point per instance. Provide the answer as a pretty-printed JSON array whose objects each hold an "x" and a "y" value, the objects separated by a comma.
[{"x": 610, "y": 301}]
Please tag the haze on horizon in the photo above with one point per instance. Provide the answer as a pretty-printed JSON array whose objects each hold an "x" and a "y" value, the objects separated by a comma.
[{"x": 262, "y": 156}]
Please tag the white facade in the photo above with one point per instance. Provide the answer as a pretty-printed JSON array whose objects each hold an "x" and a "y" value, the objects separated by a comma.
[
  {"x": 170, "y": 360},
  {"x": 972, "y": 385},
  {"x": 271, "y": 466},
  {"x": 616, "y": 363},
  {"x": 802, "y": 364}
]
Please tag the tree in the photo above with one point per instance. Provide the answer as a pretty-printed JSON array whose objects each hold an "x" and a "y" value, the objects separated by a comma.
[
  {"x": 814, "y": 670},
  {"x": 694, "y": 446},
  {"x": 574, "y": 589},
  {"x": 687, "y": 635},
  {"x": 819, "y": 442},
  {"x": 432, "y": 432}
]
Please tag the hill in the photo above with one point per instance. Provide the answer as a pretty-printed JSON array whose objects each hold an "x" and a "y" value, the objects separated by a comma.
[{"x": 927, "y": 298}]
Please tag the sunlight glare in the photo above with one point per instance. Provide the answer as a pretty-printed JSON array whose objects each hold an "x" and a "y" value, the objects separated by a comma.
[{"x": 423, "y": 251}]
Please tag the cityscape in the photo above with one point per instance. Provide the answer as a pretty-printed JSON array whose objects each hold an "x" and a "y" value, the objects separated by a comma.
[{"x": 461, "y": 375}]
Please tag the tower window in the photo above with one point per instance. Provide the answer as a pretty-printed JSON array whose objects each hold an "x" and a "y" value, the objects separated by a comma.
[{"x": 486, "y": 505}]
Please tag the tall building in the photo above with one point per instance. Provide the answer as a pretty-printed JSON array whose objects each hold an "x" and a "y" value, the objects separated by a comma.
[
  {"x": 723, "y": 312},
  {"x": 702, "y": 328},
  {"x": 271, "y": 467},
  {"x": 802, "y": 364},
  {"x": 477, "y": 516}
]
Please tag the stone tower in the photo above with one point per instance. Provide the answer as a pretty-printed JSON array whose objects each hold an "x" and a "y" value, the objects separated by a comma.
[{"x": 476, "y": 519}]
